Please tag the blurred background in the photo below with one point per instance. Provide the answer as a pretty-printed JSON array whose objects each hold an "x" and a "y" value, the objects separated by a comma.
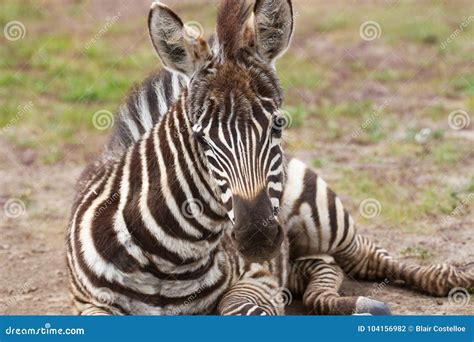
[{"x": 379, "y": 96}]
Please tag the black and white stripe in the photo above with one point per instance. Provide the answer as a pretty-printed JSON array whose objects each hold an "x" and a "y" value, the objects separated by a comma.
[{"x": 145, "y": 105}]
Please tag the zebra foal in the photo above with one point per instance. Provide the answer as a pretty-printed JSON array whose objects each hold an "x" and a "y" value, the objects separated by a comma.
[{"x": 193, "y": 208}]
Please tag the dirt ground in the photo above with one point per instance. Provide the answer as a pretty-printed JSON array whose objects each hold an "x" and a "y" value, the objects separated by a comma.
[{"x": 32, "y": 250}]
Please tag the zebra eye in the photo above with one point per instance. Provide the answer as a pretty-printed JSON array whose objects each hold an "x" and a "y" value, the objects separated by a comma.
[{"x": 202, "y": 140}]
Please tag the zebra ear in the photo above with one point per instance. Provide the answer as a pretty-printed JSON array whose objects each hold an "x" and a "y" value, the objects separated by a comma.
[
  {"x": 181, "y": 48},
  {"x": 273, "y": 27}
]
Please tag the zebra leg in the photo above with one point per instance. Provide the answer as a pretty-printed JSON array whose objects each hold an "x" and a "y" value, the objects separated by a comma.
[
  {"x": 318, "y": 280},
  {"x": 362, "y": 259},
  {"x": 317, "y": 223},
  {"x": 255, "y": 294}
]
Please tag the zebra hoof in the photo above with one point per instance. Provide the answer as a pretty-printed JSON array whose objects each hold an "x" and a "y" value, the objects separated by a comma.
[{"x": 367, "y": 306}]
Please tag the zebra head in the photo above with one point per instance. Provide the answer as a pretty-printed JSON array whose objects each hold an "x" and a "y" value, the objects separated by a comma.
[{"x": 233, "y": 104}]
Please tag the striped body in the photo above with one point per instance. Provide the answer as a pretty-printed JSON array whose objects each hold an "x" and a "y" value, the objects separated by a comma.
[{"x": 130, "y": 237}]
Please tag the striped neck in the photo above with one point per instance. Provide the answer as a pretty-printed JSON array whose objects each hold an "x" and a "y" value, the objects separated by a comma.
[{"x": 189, "y": 180}]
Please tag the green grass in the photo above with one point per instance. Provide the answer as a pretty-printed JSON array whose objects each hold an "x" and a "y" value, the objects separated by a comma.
[
  {"x": 297, "y": 71},
  {"x": 296, "y": 116},
  {"x": 65, "y": 82},
  {"x": 464, "y": 84},
  {"x": 399, "y": 206}
]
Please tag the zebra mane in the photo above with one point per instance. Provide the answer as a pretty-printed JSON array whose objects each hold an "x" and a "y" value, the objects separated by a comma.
[
  {"x": 145, "y": 104},
  {"x": 143, "y": 107}
]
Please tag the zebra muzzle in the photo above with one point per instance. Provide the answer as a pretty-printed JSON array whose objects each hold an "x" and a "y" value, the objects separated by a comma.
[{"x": 257, "y": 234}]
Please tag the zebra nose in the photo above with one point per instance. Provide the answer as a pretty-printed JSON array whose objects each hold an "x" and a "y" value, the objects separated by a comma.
[{"x": 256, "y": 234}]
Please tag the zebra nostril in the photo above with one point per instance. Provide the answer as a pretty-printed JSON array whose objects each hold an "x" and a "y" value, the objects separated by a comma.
[{"x": 233, "y": 235}]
